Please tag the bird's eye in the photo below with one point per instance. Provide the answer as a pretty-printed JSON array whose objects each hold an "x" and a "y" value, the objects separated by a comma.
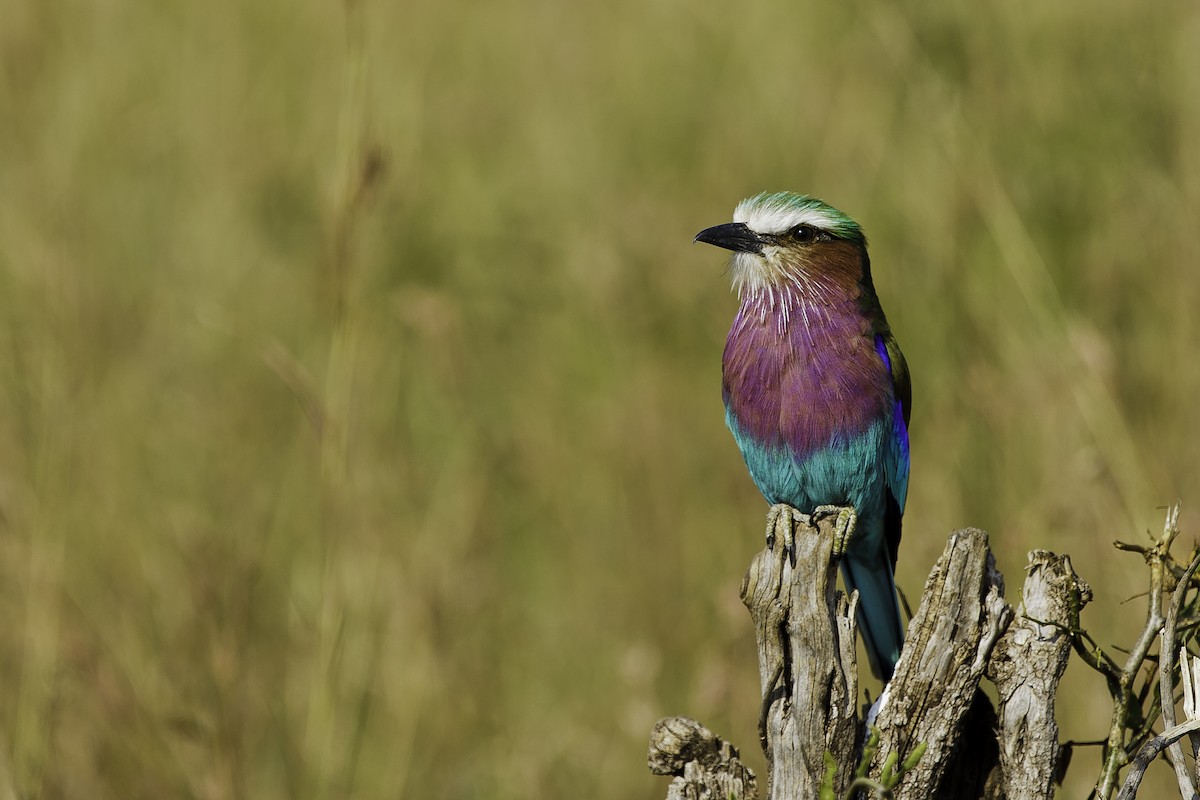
[{"x": 804, "y": 234}]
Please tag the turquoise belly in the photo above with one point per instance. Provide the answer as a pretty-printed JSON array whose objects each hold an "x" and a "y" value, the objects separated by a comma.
[{"x": 848, "y": 470}]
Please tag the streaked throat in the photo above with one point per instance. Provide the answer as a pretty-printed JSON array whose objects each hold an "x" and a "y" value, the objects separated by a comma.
[{"x": 774, "y": 292}]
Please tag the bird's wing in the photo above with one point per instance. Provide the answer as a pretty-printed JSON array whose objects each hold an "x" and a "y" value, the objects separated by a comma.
[
  {"x": 900, "y": 380},
  {"x": 898, "y": 459}
]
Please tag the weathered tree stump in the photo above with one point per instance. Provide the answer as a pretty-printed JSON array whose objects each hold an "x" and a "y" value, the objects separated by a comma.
[
  {"x": 705, "y": 766},
  {"x": 1026, "y": 667},
  {"x": 932, "y": 708},
  {"x": 805, "y": 630},
  {"x": 946, "y": 649}
]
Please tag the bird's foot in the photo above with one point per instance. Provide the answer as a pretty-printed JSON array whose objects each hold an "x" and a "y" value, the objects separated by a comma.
[
  {"x": 843, "y": 528},
  {"x": 781, "y": 519}
]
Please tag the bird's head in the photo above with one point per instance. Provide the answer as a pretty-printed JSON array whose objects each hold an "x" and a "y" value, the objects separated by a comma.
[{"x": 784, "y": 238}]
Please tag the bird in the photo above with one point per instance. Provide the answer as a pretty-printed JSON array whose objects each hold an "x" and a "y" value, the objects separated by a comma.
[{"x": 817, "y": 392}]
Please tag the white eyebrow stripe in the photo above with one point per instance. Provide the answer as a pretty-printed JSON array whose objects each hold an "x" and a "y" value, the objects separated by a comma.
[{"x": 777, "y": 218}]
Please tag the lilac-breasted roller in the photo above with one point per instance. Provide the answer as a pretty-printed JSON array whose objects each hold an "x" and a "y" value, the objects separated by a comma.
[{"x": 817, "y": 392}]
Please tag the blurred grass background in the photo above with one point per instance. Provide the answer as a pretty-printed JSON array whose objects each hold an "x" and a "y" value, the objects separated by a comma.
[{"x": 360, "y": 417}]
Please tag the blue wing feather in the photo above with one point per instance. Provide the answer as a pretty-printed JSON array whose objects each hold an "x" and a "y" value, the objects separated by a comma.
[{"x": 897, "y": 457}]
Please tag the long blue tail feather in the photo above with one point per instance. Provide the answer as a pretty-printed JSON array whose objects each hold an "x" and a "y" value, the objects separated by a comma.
[{"x": 878, "y": 611}]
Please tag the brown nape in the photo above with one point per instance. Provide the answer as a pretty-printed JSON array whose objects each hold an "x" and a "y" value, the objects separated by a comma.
[{"x": 838, "y": 259}]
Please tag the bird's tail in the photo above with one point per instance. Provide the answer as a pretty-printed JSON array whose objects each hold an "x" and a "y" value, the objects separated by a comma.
[{"x": 878, "y": 611}]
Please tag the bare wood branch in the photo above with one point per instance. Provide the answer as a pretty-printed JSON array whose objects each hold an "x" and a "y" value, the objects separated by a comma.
[
  {"x": 1026, "y": 668},
  {"x": 1166, "y": 663},
  {"x": 1117, "y": 751},
  {"x": 1151, "y": 751},
  {"x": 961, "y": 616},
  {"x": 704, "y": 765},
  {"x": 805, "y": 631}
]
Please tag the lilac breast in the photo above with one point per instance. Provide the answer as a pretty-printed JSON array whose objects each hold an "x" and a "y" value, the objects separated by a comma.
[{"x": 802, "y": 377}]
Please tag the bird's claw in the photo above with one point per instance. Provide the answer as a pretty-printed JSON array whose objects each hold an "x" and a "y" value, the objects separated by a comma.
[
  {"x": 781, "y": 519},
  {"x": 843, "y": 528}
]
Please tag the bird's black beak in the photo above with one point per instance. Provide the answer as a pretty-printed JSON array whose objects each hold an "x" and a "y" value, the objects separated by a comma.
[{"x": 733, "y": 236}]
